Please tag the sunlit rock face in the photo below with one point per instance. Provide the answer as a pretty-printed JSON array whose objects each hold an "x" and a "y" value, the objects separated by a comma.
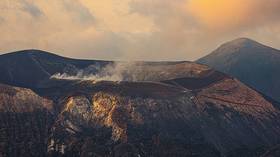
[
  {"x": 25, "y": 120},
  {"x": 107, "y": 124}
]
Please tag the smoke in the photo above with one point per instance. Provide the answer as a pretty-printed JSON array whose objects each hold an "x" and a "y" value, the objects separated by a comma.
[
  {"x": 130, "y": 71},
  {"x": 117, "y": 71}
]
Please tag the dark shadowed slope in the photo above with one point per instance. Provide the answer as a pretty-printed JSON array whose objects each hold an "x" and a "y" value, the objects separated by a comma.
[
  {"x": 30, "y": 67},
  {"x": 255, "y": 64},
  {"x": 273, "y": 152}
]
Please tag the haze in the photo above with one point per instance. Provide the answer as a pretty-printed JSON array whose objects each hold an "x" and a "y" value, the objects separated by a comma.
[{"x": 135, "y": 29}]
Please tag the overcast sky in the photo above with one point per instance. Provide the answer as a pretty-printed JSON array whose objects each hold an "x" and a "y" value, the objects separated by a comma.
[{"x": 135, "y": 29}]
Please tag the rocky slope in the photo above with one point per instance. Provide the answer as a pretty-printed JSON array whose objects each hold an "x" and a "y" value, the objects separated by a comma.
[
  {"x": 273, "y": 152},
  {"x": 25, "y": 120},
  {"x": 177, "y": 123},
  {"x": 253, "y": 63}
]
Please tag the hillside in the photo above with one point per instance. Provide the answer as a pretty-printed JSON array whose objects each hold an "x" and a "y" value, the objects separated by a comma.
[
  {"x": 253, "y": 63},
  {"x": 25, "y": 122}
]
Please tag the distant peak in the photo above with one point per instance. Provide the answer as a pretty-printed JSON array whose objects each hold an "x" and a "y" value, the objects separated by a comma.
[
  {"x": 30, "y": 51},
  {"x": 244, "y": 39},
  {"x": 241, "y": 43}
]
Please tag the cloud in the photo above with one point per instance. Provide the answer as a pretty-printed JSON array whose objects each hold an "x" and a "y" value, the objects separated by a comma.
[
  {"x": 81, "y": 13},
  {"x": 175, "y": 33},
  {"x": 230, "y": 15},
  {"x": 1, "y": 20},
  {"x": 31, "y": 8},
  {"x": 135, "y": 29},
  {"x": 191, "y": 28}
]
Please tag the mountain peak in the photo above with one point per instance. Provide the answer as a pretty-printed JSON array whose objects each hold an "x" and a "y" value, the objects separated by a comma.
[
  {"x": 30, "y": 52},
  {"x": 244, "y": 48},
  {"x": 244, "y": 40},
  {"x": 241, "y": 43}
]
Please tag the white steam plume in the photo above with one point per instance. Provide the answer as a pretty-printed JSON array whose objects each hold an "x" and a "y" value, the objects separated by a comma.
[{"x": 118, "y": 71}]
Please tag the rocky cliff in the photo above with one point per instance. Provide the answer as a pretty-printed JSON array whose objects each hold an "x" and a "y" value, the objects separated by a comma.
[{"x": 25, "y": 122}]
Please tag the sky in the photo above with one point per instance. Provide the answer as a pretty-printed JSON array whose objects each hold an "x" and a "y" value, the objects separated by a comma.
[{"x": 135, "y": 29}]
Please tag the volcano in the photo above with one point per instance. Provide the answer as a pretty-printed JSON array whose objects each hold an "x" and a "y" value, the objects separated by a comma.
[{"x": 161, "y": 109}]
